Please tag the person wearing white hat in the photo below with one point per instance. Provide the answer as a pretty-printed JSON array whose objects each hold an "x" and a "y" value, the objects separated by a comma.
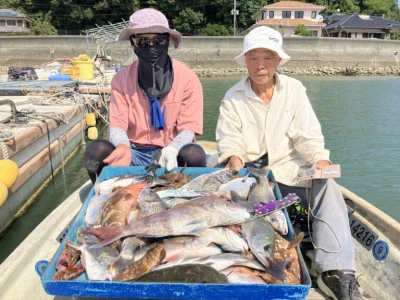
[
  {"x": 156, "y": 103},
  {"x": 266, "y": 120}
]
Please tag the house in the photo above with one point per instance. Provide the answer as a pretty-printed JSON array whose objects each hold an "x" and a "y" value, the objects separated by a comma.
[
  {"x": 12, "y": 22},
  {"x": 359, "y": 26},
  {"x": 285, "y": 16}
]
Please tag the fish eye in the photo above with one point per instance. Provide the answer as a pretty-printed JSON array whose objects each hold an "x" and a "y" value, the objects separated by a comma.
[{"x": 267, "y": 248}]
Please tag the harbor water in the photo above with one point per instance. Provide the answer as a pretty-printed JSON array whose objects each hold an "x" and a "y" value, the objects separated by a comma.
[{"x": 359, "y": 118}]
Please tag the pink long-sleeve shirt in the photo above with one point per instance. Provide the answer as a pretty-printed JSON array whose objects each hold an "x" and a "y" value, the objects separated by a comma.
[{"x": 182, "y": 107}]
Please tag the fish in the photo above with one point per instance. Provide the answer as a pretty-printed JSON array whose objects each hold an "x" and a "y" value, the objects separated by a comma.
[
  {"x": 285, "y": 251},
  {"x": 150, "y": 203},
  {"x": 69, "y": 273},
  {"x": 209, "y": 182},
  {"x": 219, "y": 261},
  {"x": 226, "y": 238},
  {"x": 278, "y": 220},
  {"x": 111, "y": 185},
  {"x": 126, "y": 257},
  {"x": 175, "y": 201},
  {"x": 117, "y": 208},
  {"x": 261, "y": 239},
  {"x": 245, "y": 275},
  {"x": 69, "y": 256},
  {"x": 97, "y": 261},
  {"x": 190, "y": 273},
  {"x": 188, "y": 246},
  {"x": 92, "y": 211},
  {"x": 181, "y": 192},
  {"x": 241, "y": 186},
  {"x": 261, "y": 191},
  {"x": 176, "y": 179},
  {"x": 150, "y": 260},
  {"x": 183, "y": 219}
]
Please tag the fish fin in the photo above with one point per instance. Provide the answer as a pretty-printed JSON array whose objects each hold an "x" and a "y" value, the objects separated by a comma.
[
  {"x": 296, "y": 240},
  {"x": 277, "y": 269},
  {"x": 241, "y": 201},
  {"x": 119, "y": 265},
  {"x": 108, "y": 234}
]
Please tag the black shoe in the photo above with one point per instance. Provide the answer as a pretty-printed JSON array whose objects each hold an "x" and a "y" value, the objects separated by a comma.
[{"x": 343, "y": 286}]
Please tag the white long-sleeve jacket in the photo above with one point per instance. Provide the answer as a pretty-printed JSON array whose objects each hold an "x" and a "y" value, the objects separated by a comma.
[{"x": 287, "y": 128}]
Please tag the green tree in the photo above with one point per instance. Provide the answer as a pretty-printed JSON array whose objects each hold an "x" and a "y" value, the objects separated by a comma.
[
  {"x": 188, "y": 21},
  {"x": 301, "y": 30},
  {"x": 42, "y": 25},
  {"x": 215, "y": 30}
]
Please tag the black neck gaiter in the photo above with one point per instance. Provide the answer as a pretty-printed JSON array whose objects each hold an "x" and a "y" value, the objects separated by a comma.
[{"x": 155, "y": 70}]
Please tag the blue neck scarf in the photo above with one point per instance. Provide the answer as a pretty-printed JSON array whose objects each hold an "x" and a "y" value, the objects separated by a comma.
[{"x": 156, "y": 116}]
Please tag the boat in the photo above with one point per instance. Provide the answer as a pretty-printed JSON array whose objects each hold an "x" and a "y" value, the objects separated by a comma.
[
  {"x": 378, "y": 267},
  {"x": 42, "y": 123}
]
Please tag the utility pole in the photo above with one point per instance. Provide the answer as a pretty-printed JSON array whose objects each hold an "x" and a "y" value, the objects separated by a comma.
[{"x": 234, "y": 12}]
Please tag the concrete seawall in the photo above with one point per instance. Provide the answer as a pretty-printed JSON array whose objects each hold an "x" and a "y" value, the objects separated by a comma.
[{"x": 214, "y": 53}]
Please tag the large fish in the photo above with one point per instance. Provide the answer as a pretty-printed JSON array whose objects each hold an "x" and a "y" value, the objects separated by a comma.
[
  {"x": 183, "y": 219},
  {"x": 261, "y": 239},
  {"x": 209, "y": 182},
  {"x": 115, "y": 211}
]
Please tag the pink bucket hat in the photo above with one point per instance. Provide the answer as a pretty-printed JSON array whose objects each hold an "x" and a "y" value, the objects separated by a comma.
[
  {"x": 262, "y": 37},
  {"x": 149, "y": 20}
]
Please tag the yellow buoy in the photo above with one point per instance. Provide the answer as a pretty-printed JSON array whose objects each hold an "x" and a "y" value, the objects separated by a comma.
[
  {"x": 90, "y": 119},
  {"x": 92, "y": 133},
  {"x": 83, "y": 57},
  {"x": 8, "y": 172},
  {"x": 3, "y": 193}
]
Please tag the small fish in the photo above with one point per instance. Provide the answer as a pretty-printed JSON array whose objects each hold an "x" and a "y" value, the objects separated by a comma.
[
  {"x": 177, "y": 179},
  {"x": 69, "y": 273},
  {"x": 92, "y": 211},
  {"x": 241, "y": 186},
  {"x": 285, "y": 251},
  {"x": 127, "y": 255},
  {"x": 219, "y": 262},
  {"x": 181, "y": 193},
  {"x": 148, "y": 262},
  {"x": 245, "y": 275},
  {"x": 226, "y": 238},
  {"x": 68, "y": 257},
  {"x": 261, "y": 239},
  {"x": 150, "y": 203},
  {"x": 190, "y": 273},
  {"x": 117, "y": 208},
  {"x": 261, "y": 191},
  {"x": 209, "y": 182},
  {"x": 183, "y": 219},
  {"x": 188, "y": 246}
]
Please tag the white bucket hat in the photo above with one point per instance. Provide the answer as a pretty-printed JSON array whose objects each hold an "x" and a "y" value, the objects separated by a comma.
[
  {"x": 149, "y": 20},
  {"x": 262, "y": 37}
]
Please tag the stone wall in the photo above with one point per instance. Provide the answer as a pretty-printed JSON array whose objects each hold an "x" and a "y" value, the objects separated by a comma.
[{"x": 214, "y": 55}]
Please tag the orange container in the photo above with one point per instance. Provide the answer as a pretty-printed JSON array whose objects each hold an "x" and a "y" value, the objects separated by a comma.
[{"x": 73, "y": 71}]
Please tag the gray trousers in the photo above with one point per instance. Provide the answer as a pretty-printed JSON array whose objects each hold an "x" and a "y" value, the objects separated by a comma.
[{"x": 331, "y": 230}]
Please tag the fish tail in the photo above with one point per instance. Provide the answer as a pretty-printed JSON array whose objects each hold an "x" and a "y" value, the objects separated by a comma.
[
  {"x": 108, "y": 234},
  {"x": 296, "y": 240}
]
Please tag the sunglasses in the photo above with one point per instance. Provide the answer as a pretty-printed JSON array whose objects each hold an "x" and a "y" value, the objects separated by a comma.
[{"x": 144, "y": 41}]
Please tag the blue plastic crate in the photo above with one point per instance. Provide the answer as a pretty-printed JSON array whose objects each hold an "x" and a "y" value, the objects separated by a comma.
[{"x": 82, "y": 287}]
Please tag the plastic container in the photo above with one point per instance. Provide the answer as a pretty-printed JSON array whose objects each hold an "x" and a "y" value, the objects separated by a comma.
[
  {"x": 73, "y": 71},
  {"x": 82, "y": 287},
  {"x": 86, "y": 68},
  {"x": 59, "y": 77}
]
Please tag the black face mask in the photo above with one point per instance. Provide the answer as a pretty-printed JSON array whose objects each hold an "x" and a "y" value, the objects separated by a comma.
[{"x": 155, "y": 70}]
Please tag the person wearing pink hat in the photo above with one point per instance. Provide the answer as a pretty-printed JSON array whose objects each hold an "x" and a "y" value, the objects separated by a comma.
[
  {"x": 266, "y": 121},
  {"x": 156, "y": 103}
]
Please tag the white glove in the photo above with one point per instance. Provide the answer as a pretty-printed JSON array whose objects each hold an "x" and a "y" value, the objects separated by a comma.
[{"x": 168, "y": 158}]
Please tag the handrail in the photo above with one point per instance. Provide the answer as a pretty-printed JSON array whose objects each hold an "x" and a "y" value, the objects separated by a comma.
[{"x": 13, "y": 111}]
